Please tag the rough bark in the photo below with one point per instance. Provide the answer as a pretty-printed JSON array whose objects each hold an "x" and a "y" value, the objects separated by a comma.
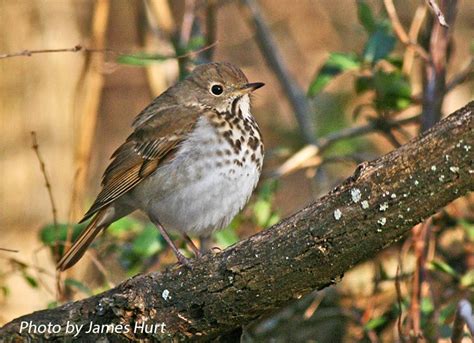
[{"x": 309, "y": 250}]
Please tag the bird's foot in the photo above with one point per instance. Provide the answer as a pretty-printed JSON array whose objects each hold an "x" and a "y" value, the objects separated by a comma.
[{"x": 182, "y": 260}]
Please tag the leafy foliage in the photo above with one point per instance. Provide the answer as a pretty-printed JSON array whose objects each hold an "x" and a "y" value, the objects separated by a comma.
[{"x": 391, "y": 89}]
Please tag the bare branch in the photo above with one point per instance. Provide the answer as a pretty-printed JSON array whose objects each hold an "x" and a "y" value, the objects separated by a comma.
[
  {"x": 80, "y": 48},
  {"x": 434, "y": 6},
  {"x": 29, "y": 53},
  {"x": 434, "y": 88},
  {"x": 295, "y": 95},
  {"x": 35, "y": 148},
  {"x": 415, "y": 27},
  {"x": 400, "y": 31},
  {"x": 464, "y": 75},
  {"x": 9, "y": 250},
  {"x": 296, "y": 161}
]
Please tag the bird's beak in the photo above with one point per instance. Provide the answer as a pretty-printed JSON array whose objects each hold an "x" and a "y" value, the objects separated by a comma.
[{"x": 250, "y": 87}]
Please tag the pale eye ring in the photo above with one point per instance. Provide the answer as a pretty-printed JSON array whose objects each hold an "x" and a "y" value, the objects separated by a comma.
[{"x": 216, "y": 89}]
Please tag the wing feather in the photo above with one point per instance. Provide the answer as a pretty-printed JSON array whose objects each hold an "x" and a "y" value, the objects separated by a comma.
[{"x": 143, "y": 151}]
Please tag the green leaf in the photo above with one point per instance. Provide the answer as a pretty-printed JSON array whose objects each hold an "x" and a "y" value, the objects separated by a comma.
[
  {"x": 443, "y": 267},
  {"x": 226, "y": 237},
  {"x": 274, "y": 218},
  {"x": 393, "y": 91},
  {"x": 447, "y": 312},
  {"x": 30, "y": 279},
  {"x": 142, "y": 59},
  {"x": 51, "y": 234},
  {"x": 365, "y": 15},
  {"x": 124, "y": 225},
  {"x": 375, "y": 323},
  {"x": 147, "y": 243},
  {"x": 426, "y": 306},
  {"x": 268, "y": 189},
  {"x": 262, "y": 210},
  {"x": 467, "y": 280},
  {"x": 52, "y": 304},
  {"x": 381, "y": 43},
  {"x": 79, "y": 285},
  {"x": 336, "y": 64},
  {"x": 5, "y": 290},
  {"x": 468, "y": 228},
  {"x": 195, "y": 43},
  {"x": 363, "y": 84}
]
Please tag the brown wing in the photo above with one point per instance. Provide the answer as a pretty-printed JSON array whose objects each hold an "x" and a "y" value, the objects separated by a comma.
[{"x": 142, "y": 152}]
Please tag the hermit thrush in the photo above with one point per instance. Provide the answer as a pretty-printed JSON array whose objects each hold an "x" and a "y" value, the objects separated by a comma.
[{"x": 191, "y": 163}]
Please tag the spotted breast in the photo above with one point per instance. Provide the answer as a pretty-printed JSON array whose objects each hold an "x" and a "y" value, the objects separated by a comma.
[{"x": 211, "y": 176}]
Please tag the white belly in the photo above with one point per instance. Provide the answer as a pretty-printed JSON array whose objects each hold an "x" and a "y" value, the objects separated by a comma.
[{"x": 200, "y": 190}]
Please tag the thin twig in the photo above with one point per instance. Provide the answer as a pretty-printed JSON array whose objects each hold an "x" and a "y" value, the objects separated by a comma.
[
  {"x": 80, "y": 48},
  {"x": 317, "y": 299},
  {"x": 415, "y": 27},
  {"x": 71, "y": 212},
  {"x": 53, "y": 293},
  {"x": 463, "y": 317},
  {"x": 434, "y": 6},
  {"x": 434, "y": 87},
  {"x": 22, "y": 264},
  {"x": 35, "y": 148},
  {"x": 29, "y": 53},
  {"x": 401, "y": 33},
  {"x": 296, "y": 96},
  {"x": 388, "y": 134},
  {"x": 8, "y": 250},
  {"x": 464, "y": 75},
  {"x": 420, "y": 232},
  {"x": 312, "y": 150},
  {"x": 401, "y": 336},
  {"x": 100, "y": 267}
]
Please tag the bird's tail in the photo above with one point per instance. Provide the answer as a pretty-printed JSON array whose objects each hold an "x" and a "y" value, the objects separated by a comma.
[{"x": 81, "y": 244}]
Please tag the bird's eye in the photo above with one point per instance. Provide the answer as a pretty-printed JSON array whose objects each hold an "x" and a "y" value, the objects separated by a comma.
[{"x": 217, "y": 89}]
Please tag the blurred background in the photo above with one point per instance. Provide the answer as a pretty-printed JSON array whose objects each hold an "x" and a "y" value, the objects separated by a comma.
[{"x": 328, "y": 66}]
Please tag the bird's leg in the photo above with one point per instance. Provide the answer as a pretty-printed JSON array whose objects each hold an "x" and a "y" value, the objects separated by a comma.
[
  {"x": 205, "y": 244},
  {"x": 181, "y": 259},
  {"x": 193, "y": 246}
]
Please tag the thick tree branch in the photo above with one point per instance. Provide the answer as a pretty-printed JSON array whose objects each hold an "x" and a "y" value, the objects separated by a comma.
[{"x": 310, "y": 250}]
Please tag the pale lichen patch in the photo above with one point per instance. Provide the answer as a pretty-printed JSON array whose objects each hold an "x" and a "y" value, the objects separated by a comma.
[
  {"x": 382, "y": 221},
  {"x": 454, "y": 169},
  {"x": 365, "y": 204},
  {"x": 433, "y": 168},
  {"x": 383, "y": 207},
  {"x": 441, "y": 178},
  {"x": 337, "y": 214},
  {"x": 355, "y": 195},
  {"x": 165, "y": 294}
]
